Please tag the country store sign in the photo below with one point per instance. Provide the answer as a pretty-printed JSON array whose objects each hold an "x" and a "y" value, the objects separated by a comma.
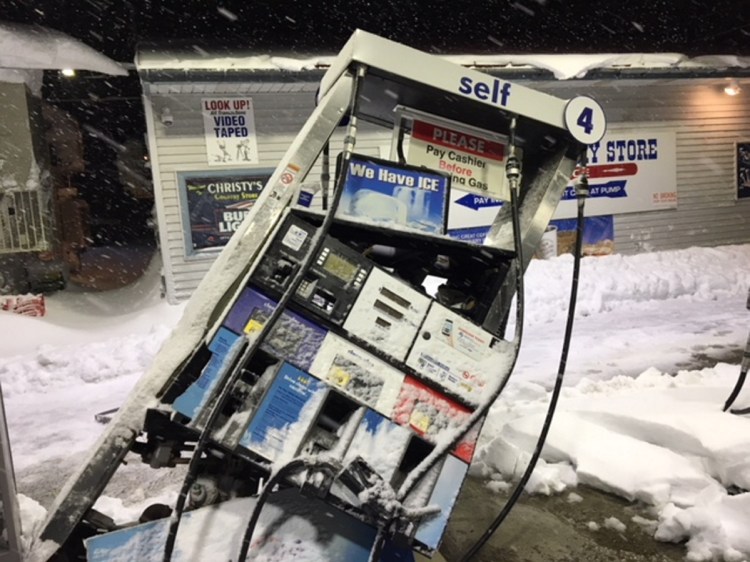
[
  {"x": 229, "y": 128},
  {"x": 628, "y": 173}
]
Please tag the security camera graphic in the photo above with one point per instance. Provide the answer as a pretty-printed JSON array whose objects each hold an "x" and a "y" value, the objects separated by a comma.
[{"x": 166, "y": 117}]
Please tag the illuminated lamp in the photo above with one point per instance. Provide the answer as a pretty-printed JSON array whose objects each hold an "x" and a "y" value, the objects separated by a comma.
[{"x": 733, "y": 88}]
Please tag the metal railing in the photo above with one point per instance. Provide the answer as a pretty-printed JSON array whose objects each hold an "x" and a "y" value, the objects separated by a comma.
[{"x": 25, "y": 220}]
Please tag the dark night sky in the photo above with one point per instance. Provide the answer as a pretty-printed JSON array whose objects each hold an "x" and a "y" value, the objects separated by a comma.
[{"x": 518, "y": 26}]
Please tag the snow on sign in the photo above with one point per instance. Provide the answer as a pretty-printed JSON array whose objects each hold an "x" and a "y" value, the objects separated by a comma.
[
  {"x": 229, "y": 125},
  {"x": 629, "y": 172}
]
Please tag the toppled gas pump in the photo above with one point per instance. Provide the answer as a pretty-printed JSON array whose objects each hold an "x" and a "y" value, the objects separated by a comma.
[{"x": 324, "y": 395}]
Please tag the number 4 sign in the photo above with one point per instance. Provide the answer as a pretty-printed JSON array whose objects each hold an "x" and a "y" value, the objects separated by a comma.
[{"x": 585, "y": 119}]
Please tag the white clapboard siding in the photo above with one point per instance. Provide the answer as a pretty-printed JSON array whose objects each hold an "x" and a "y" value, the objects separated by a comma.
[
  {"x": 707, "y": 123},
  {"x": 280, "y": 111}
]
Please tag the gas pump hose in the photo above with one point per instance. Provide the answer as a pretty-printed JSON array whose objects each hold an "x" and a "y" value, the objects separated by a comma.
[{"x": 582, "y": 193}]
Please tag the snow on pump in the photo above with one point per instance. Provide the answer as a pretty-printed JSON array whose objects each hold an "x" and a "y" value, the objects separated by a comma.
[{"x": 331, "y": 373}]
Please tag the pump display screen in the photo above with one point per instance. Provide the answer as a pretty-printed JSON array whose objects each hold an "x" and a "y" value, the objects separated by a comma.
[{"x": 339, "y": 267}]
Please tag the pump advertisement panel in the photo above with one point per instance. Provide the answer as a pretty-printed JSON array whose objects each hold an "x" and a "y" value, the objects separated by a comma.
[
  {"x": 214, "y": 205},
  {"x": 229, "y": 127},
  {"x": 629, "y": 172}
]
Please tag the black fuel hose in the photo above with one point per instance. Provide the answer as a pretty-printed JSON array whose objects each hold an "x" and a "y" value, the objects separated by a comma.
[
  {"x": 737, "y": 387},
  {"x": 743, "y": 375},
  {"x": 555, "y": 391},
  {"x": 740, "y": 380}
]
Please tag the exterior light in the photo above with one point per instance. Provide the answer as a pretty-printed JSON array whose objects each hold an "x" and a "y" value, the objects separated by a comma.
[
  {"x": 733, "y": 88},
  {"x": 69, "y": 72}
]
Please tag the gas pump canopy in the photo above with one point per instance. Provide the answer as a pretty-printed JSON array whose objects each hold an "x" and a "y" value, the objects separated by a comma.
[{"x": 413, "y": 78}]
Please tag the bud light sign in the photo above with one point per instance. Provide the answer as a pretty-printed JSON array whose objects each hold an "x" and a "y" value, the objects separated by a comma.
[
  {"x": 215, "y": 204},
  {"x": 385, "y": 193}
]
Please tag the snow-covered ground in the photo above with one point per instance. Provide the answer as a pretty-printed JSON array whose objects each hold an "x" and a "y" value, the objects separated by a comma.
[{"x": 640, "y": 415}]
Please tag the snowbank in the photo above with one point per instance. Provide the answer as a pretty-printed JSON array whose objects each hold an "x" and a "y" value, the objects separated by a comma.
[{"x": 631, "y": 420}]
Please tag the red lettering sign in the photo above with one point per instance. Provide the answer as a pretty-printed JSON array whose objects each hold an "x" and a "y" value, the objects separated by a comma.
[{"x": 464, "y": 142}]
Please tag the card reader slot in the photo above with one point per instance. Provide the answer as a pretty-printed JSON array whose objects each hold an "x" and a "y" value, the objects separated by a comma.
[
  {"x": 398, "y": 299},
  {"x": 325, "y": 430},
  {"x": 323, "y": 300},
  {"x": 389, "y": 310},
  {"x": 416, "y": 451}
]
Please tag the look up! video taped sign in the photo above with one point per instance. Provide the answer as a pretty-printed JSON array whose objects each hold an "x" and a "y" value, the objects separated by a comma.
[{"x": 229, "y": 127}]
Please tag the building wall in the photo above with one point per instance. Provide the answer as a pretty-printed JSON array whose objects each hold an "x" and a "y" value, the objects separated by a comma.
[
  {"x": 280, "y": 111},
  {"x": 706, "y": 122},
  {"x": 16, "y": 135}
]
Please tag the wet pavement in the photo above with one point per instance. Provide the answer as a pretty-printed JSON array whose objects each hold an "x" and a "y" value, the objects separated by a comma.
[{"x": 553, "y": 529}]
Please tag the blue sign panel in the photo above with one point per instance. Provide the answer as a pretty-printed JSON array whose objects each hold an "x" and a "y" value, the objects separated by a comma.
[
  {"x": 282, "y": 420},
  {"x": 398, "y": 196},
  {"x": 190, "y": 402}
]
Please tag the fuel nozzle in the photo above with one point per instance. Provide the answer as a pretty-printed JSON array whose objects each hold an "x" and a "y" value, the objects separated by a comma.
[
  {"x": 512, "y": 165},
  {"x": 581, "y": 184},
  {"x": 513, "y": 172}
]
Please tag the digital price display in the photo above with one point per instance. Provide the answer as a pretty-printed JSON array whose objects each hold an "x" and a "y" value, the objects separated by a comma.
[{"x": 340, "y": 268}]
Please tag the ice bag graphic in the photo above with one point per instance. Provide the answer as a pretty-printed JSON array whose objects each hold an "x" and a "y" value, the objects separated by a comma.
[
  {"x": 378, "y": 207},
  {"x": 415, "y": 201}
]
